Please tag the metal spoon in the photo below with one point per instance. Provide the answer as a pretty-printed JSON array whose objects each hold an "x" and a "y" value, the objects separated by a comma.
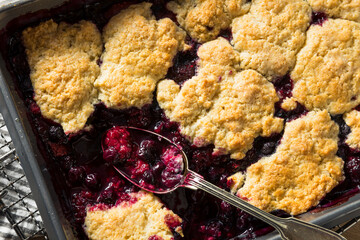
[{"x": 289, "y": 228}]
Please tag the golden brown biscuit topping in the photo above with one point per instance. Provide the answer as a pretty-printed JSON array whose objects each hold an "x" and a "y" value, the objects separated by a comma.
[
  {"x": 352, "y": 119},
  {"x": 271, "y": 34},
  {"x": 138, "y": 52},
  {"x": 327, "y": 71},
  {"x": 289, "y": 104},
  {"x": 221, "y": 105},
  {"x": 301, "y": 171},
  {"x": 132, "y": 221},
  {"x": 204, "y": 19},
  {"x": 62, "y": 59}
]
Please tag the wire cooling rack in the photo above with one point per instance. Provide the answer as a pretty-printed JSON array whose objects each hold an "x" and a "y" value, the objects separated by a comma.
[
  {"x": 346, "y": 226},
  {"x": 19, "y": 216}
]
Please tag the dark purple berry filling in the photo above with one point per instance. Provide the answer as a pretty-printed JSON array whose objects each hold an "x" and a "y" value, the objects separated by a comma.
[
  {"x": 147, "y": 150},
  {"x": 184, "y": 66},
  {"x": 227, "y": 34},
  {"x": 283, "y": 86},
  {"x": 353, "y": 168},
  {"x": 318, "y": 18},
  {"x": 92, "y": 181},
  {"x": 76, "y": 163},
  {"x": 299, "y": 111}
]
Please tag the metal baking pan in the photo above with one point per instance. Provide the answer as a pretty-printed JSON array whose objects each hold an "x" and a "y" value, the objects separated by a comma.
[{"x": 14, "y": 112}]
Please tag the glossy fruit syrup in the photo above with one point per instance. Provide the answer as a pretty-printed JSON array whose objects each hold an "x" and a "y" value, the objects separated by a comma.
[{"x": 81, "y": 171}]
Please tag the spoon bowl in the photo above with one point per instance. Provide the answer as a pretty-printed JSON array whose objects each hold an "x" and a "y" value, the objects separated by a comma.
[
  {"x": 289, "y": 228},
  {"x": 184, "y": 165},
  {"x": 172, "y": 158}
]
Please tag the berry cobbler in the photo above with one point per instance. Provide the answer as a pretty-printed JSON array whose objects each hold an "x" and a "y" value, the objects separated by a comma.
[{"x": 263, "y": 96}]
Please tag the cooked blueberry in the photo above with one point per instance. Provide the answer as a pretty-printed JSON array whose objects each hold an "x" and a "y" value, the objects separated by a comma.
[
  {"x": 107, "y": 196},
  {"x": 268, "y": 148},
  {"x": 92, "y": 181},
  {"x": 76, "y": 174},
  {"x": 283, "y": 86},
  {"x": 56, "y": 133},
  {"x": 170, "y": 179},
  {"x": 110, "y": 155},
  {"x": 344, "y": 129},
  {"x": 158, "y": 168},
  {"x": 147, "y": 150},
  {"x": 148, "y": 176}
]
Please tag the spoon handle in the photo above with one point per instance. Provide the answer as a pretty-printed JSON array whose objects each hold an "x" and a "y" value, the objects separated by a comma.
[{"x": 289, "y": 228}]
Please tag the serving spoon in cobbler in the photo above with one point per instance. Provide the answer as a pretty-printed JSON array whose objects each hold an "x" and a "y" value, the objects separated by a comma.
[{"x": 169, "y": 170}]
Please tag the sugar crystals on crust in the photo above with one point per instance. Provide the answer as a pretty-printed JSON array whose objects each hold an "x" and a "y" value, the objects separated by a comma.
[
  {"x": 303, "y": 169},
  {"x": 62, "y": 59},
  {"x": 204, "y": 19},
  {"x": 346, "y": 9},
  {"x": 221, "y": 105},
  {"x": 270, "y": 35},
  {"x": 138, "y": 52},
  {"x": 327, "y": 71},
  {"x": 138, "y": 219},
  {"x": 353, "y": 120}
]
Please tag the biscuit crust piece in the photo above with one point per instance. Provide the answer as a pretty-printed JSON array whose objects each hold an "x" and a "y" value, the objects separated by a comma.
[
  {"x": 62, "y": 60},
  {"x": 138, "y": 52},
  {"x": 236, "y": 181},
  {"x": 327, "y": 71},
  {"x": 220, "y": 105},
  {"x": 289, "y": 104},
  {"x": 204, "y": 19},
  {"x": 353, "y": 120},
  {"x": 131, "y": 220},
  {"x": 302, "y": 170},
  {"x": 270, "y": 35},
  {"x": 345, "y": 9}
]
